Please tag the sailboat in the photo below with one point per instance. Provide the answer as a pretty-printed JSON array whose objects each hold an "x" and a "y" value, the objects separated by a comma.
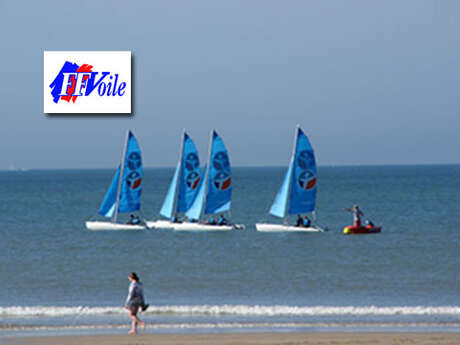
[
  {"x": 215, "y": 191},
  {"x": 184, "y": 185},
  {"x": 297, "y": 194},
  {"x": 124, "y": 193}
]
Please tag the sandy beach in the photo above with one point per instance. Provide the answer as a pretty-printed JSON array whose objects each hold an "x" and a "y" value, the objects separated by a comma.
[{"x": 245, "y": 339}]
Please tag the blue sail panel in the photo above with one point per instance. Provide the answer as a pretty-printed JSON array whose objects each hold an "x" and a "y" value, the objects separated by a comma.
[
  {"x": 190, "y": 176},
  {"x": 219, "y": 189},
  {"x": 108, "y": 204},
  {"x": 167, "y": 210},
  {"x": 194, "y": 212},
  {"x": 304, "y": 180},
  {"x": 131, "y": 185},
  {"x": 279, "y": 206}
]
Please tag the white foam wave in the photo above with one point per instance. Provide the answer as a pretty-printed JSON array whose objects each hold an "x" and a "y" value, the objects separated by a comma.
[
  {"x": 238, "y": 310},
  {"x": 236, "y": 325}
]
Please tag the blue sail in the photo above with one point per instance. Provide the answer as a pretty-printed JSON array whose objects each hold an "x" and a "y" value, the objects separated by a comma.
[
  {"x": 131, "y": 184},
  {"x": 190, "y": 175},
  {"x": 219, "y": 184},
  {"x": 167, "y": 210},
  {"x": 303, "y": 186},
  {"x": 108, "y": 204},
  {"x": 194, "y": 212},
  {"x": 280, "y": 204}
]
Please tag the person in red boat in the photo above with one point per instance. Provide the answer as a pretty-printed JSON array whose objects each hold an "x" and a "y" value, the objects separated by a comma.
[{"x": 357, "y": 214}]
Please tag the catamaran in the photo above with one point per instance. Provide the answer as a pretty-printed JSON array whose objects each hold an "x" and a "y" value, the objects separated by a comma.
[
  {"x": 124, "y": 193},
  {"x": 297, "y": 194},
  {"x": 184, "y": 186},
  {"x": 214, "y": 191}
]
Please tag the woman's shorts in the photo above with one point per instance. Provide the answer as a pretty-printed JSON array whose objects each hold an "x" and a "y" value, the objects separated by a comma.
[{"x": 133, "y": 309}]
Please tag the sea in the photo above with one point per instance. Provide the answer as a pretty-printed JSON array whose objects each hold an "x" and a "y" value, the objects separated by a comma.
[{"x": 56, "y": 277}]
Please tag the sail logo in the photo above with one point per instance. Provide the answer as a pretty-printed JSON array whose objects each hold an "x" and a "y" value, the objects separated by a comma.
[
  {"x": 87, "y": 82},
  {"x": 307, "y": 178},
  {"x": 192, "y": 163},
  {"x": 222, "y": 179},
  {"x": 192, "y": 180},
  {"x": 134, "y": 178},
  {"x": 134, "y": 160},
  {"x": 306, "y": 159}
]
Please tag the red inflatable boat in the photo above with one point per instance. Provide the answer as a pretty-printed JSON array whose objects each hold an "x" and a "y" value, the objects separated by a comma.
[{"x": 368, "y": 229}]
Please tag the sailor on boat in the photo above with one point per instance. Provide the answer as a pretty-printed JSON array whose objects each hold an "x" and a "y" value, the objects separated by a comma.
[
  {"x": 369, "y": 223},
  {"x": 212, "y": 221},
  {"x": 221, "y": 220},
  {"x": 357, "y": 214},
  {"x": 306, "y": 222},
  {"x": 299, "y": 221},
  {"x": 175, "y": 219},
  {"x": 302, "y": 222},
  {"x": 134, "y": 220}
]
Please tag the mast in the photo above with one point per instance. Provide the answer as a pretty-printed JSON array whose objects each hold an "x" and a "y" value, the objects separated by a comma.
[
  {"x": 179, "y": 175},
  {"x": 120, "y": 179},
  {"x": 294, "y": 148},
  {"x": 207, "y": 174}
]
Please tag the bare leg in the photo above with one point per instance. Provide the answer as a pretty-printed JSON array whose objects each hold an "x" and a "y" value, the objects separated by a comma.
[
  {"x": 135, "y": 322},
  {"x": 142, "y": 325},
  {"x": 133, "y": 329}
]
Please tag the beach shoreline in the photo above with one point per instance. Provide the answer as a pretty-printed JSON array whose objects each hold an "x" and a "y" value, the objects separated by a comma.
[{"x": 266, "y": 338}]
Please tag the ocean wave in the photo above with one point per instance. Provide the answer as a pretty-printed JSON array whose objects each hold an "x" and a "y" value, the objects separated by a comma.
[
  {"x": 237, "y": 310},
  {"x": 237, "y": 325}
]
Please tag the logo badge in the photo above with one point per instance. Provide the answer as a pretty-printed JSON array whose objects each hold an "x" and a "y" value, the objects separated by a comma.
[
  {"x": 222, "y": 179},
  {"x": 87, "y": 82},
  {"x": 192, "y": 180},
  {"x": 307, "y": 180}
]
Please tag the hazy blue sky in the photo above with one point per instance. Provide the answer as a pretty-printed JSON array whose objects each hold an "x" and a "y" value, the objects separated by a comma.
[{"x": 371, "y": 82}]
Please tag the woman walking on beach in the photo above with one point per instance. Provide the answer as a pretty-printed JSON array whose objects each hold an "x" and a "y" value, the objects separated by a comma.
[{"x": 134, "y": 301}]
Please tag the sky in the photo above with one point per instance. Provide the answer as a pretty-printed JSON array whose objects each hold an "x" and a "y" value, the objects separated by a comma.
[{"x": 370, "y": 82}]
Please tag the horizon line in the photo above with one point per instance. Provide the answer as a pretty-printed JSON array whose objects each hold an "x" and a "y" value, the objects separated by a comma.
[{"x": 239, "y": 166}]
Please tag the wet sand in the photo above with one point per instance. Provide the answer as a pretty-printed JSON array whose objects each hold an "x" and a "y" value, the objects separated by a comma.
[{"x": 332, "y": 338}]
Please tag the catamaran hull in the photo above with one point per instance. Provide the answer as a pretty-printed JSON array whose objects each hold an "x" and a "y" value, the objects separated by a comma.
[
  {"x": 160, "y": 224},
  {"x": 266, "y": 227},
  {"x": 206, "y": 227},
  {"x": 97, "y": 226},
  {"x": 187, "y": 226}
]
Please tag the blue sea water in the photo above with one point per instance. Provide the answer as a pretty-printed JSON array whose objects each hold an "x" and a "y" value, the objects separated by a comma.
[{"x": 56, "y": 275}]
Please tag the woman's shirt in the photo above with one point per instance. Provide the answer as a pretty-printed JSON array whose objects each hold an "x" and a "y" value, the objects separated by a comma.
[{"x": 135, "y": 295}]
